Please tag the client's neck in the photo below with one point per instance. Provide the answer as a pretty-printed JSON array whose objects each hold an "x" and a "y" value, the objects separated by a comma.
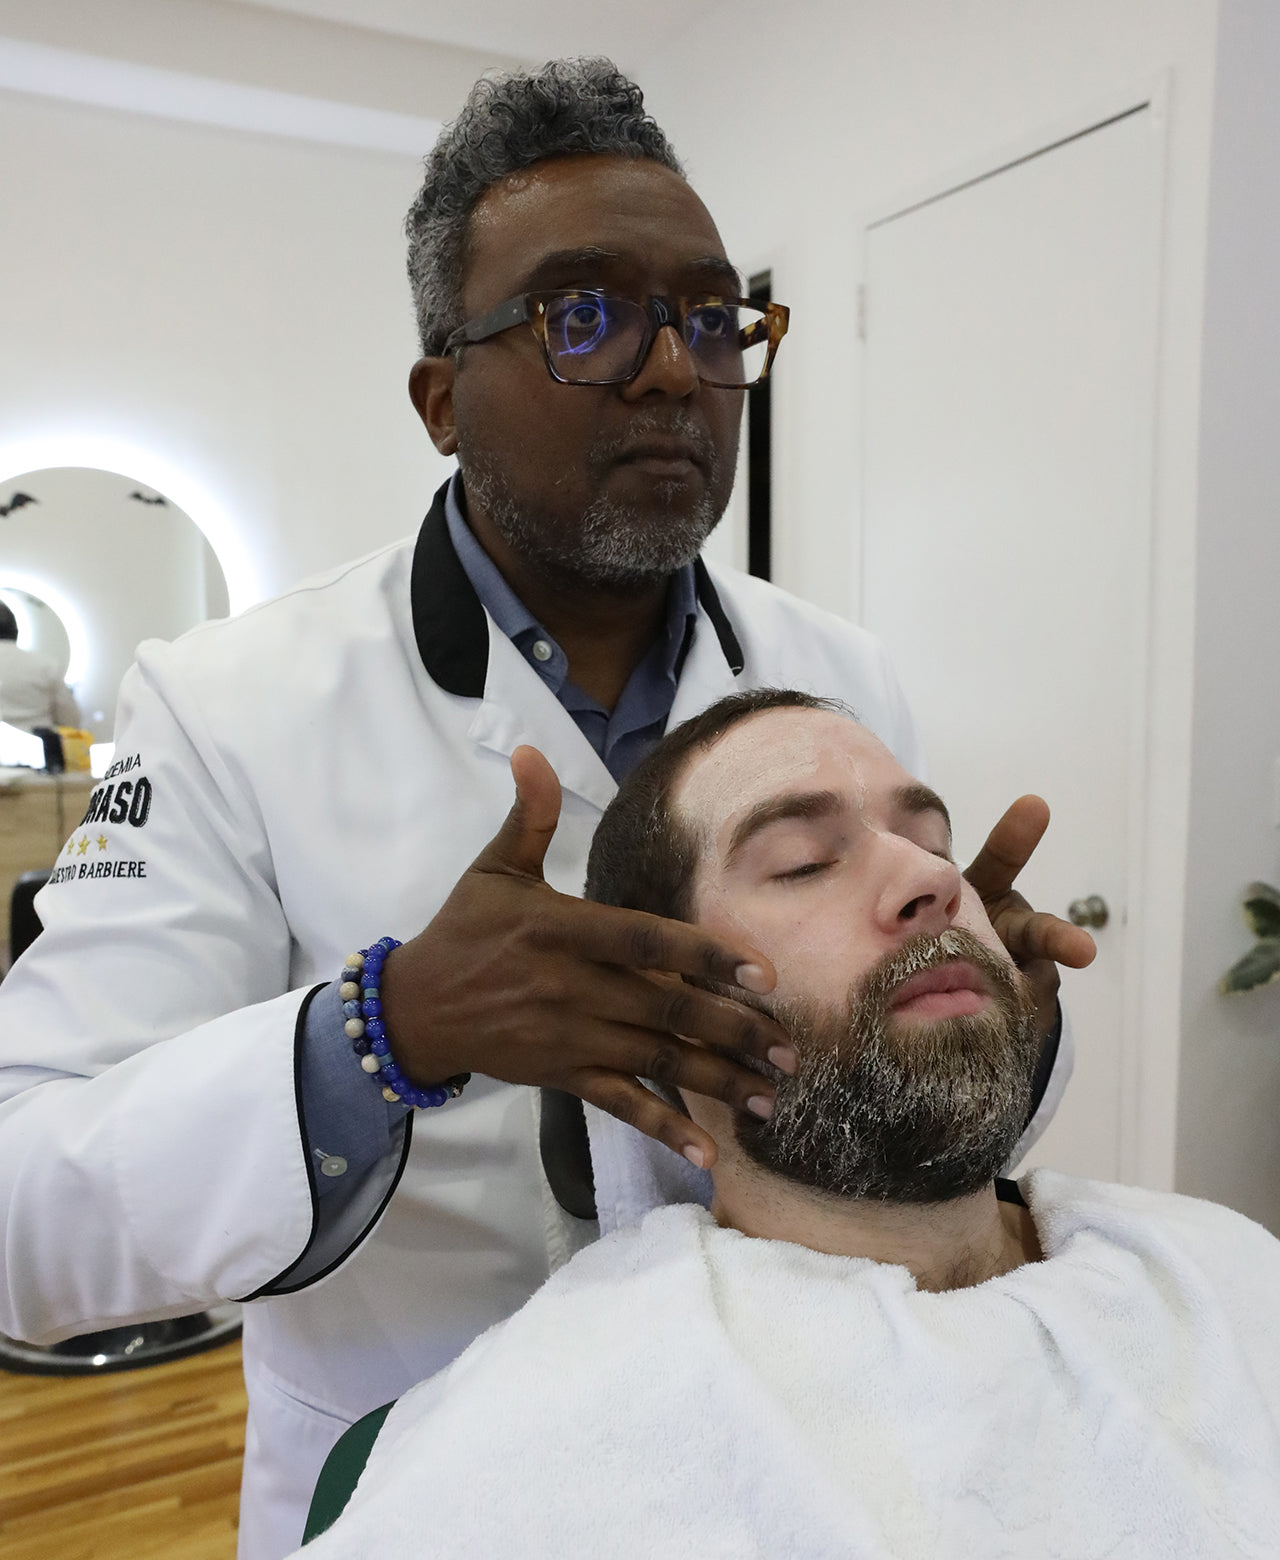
[{"x": 949, "y": 1245}]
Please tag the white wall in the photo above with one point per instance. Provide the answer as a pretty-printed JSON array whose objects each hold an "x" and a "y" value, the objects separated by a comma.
[
  {"x": 234, "y": 302},
  {"x": 802, "y": 132},
  {"x": 1229, "y": 1107}
]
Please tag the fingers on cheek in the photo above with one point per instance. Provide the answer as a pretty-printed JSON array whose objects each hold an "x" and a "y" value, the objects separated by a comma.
[{"x": 640, "y": 1108}]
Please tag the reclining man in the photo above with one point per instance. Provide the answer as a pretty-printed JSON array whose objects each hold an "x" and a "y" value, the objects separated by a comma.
[{"x": 868, "y": 1345}]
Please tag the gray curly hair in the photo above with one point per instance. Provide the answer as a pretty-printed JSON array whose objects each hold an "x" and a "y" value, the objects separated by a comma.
[{"x": 507, "y": 123}]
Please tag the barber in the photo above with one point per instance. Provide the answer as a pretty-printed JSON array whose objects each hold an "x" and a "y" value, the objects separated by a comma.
[{"x": 188, "y": 1118}]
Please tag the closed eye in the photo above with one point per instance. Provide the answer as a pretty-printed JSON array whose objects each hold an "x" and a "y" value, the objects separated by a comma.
[{"x": 808, "y": 869}]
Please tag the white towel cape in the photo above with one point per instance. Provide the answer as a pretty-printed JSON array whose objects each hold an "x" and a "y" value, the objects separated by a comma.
[{"x": 683, "y": 1390}]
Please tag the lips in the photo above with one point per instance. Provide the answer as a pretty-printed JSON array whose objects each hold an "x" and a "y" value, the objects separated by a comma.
[
  {"x": 945, "y": 991},
  {"x": 672, "y": 454}
]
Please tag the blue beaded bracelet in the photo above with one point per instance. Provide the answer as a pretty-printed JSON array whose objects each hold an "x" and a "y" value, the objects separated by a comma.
[{"x": 362, "y": 1009}]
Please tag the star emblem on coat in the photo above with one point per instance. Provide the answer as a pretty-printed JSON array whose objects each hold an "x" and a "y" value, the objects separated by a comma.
[
  {"x": 102, "y": 842},
  {"x": 82, "y": 845}
]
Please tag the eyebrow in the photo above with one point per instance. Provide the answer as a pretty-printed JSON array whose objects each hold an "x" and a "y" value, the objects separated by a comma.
[
  {"x": 559, "y": 262},
  {"x": 709, "y": 271},
  {"x": 715, "y": 269},
  {"x": 775, "y": 809},
  {"x": 916, "y": 798},
  {"x": 913, "y": 799}
]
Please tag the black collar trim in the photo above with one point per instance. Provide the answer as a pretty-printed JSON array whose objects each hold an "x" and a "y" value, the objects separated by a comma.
[
  {"x": 449, "y": 623},
  {"x": 448, "y": 620},
  {"x": 710, "y": 600}
]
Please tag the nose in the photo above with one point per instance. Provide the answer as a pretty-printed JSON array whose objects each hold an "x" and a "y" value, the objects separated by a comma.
[
  {"x": 921, "y": 891},
  {"x": 668, "y": 368}
]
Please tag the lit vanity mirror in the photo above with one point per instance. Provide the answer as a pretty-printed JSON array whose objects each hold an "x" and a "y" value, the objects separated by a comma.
[
  {"x": 91, "y": 563},
  {"x": 101, "y": 562}
]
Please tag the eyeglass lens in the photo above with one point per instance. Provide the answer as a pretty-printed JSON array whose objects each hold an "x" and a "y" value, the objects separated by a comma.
[{"x": 593, "y": 338}]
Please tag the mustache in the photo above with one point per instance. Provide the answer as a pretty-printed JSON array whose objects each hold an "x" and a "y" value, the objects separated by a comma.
[
  {"x": 874, "y": 989},
  {"x": 652, "y": 423},
  {"x": 924, "y": 952}
]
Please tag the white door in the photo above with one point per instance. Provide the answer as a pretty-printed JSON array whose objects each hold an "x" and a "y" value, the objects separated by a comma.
[{"x": 1010, "y": 381}]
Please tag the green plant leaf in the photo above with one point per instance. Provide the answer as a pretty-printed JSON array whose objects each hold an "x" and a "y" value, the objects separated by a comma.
[
  {"x": 1262, "y": 909},
  {"x": 1259, "y": 967}
]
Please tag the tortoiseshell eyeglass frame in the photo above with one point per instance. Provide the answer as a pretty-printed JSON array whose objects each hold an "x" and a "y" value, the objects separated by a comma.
[{"x": 531, "y": 309}]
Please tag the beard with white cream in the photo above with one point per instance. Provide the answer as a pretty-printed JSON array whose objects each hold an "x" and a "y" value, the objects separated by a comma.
[{"x": 900, "y": 1111}]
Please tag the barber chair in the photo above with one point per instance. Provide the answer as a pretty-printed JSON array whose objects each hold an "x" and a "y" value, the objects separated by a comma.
[
  {"x": 118, "y": 1348},
  {"x": 341, "y": 1472}
]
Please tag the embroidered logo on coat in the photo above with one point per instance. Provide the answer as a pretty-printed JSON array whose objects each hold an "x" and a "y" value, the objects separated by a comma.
[
  {"x": 99, "y": 869},
  {"x": 119, "y": 800}
]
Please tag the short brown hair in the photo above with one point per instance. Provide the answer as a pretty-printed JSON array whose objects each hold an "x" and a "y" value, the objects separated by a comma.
[{"x": 642, "y": 858}]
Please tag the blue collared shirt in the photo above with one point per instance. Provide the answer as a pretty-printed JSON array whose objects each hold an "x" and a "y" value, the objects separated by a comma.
[
  {"x": 623, "y": 736},
  {"x": 346, "y": 1119}
]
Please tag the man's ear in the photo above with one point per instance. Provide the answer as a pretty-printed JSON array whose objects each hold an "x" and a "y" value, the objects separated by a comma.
[{"x": 431, "y": 391}]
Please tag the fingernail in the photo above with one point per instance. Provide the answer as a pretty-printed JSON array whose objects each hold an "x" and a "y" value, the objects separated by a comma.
[
  {"x": 760, "y": 1105},
  {"x": 693, "y": 1155},
  {"x": 784, "y": 1058},
  {"x": 751, "y": 978}
]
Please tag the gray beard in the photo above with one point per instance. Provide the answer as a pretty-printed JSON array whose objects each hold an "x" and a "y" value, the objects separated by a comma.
[
  {"x": 901, "y": 1112},
  {"x": 613, "y": 547}
]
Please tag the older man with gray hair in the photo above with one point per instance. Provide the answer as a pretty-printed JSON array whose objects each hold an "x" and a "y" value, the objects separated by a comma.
[{"x": 211, "y": 1060}]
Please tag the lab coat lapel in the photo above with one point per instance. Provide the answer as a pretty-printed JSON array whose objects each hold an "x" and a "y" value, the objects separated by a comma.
[
  {"x": 706, "y": 675},
  {"x": 465, "y": 654},
  {"x": 518, "y": 708}
]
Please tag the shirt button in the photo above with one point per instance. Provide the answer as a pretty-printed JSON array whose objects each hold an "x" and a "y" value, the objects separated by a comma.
[
  {"x": 333, "y": 1164},
  {"x": 541, "y": 650}
]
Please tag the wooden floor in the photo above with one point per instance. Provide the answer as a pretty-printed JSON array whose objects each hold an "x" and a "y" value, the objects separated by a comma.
[{"x": 140, "y": 1465}]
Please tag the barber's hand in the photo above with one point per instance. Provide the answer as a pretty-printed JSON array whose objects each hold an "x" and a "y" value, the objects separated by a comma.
[
  {"x": 519, "y": 982},
  {"x": 1037, "y": 941}
]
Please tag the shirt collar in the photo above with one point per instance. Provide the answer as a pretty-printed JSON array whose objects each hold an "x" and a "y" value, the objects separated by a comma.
[
  {"x": 449, "y": 622},
  {"x": 496, "y": 596},
  {"x": 523, "y": 629}
]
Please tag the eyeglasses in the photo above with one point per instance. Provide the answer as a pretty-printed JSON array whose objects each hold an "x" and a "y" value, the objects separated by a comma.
[{"x": 592, "y": 338}]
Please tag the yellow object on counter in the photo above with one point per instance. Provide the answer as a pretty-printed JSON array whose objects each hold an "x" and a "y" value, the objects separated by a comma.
[{"x": 75, "y": 747}]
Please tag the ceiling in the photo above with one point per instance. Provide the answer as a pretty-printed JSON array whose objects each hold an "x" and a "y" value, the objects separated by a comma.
[{"x": 629, "y": 31}]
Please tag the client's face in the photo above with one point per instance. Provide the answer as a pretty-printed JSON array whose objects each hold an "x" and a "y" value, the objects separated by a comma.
[{"x": 912, "y": 1024}]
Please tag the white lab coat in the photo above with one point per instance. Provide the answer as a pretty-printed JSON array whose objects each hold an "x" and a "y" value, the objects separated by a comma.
[{"x": 308, "y": 787}]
